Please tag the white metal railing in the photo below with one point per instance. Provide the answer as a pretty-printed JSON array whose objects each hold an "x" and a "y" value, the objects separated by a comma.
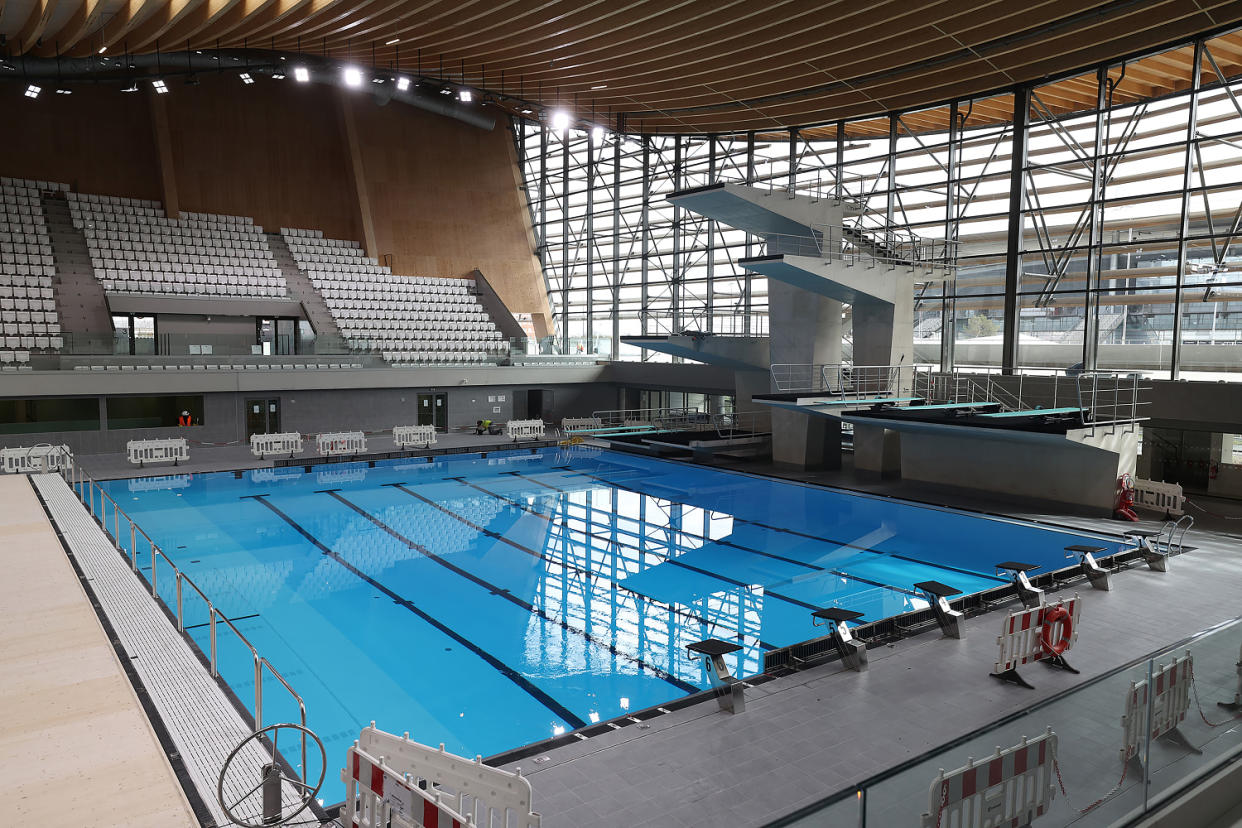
[
  {"x": 573, "y": 425},
  {"x": 99, "y": 503},
  {"x": 1111, "y": 398},
  {"x": 525, "y": 429},
  {"x": 289, "y": 442},
  {"x": 414, "y": 435},
  {"x": 335, "y": 443},
  {"x": 890, "y": 247},
  {"x": 43, "y": 457},
  {"x": 174, "y": 449},
  {"x": 842, "y": 379}
]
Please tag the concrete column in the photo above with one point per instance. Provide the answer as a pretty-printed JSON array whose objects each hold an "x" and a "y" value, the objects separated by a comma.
[
  {"x": 884, "y": 335},
  {"x": 805, "y": 328}
]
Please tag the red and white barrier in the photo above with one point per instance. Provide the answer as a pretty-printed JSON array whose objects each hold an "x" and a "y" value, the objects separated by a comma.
[
  {"x": 377, "y": 796},
  {"x": 1010, "y": 788},
  {"x": 488, "y": 796},
  {"x": 1168, "y": 705},
  {"x": 1036, "y": 634}
]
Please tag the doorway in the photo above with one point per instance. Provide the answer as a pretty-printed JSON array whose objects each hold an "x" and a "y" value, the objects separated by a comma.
[
  {"x": 534, "y": 404},
  {"x": 433, "y": 410},
  {"x": 262, "y": 417}
]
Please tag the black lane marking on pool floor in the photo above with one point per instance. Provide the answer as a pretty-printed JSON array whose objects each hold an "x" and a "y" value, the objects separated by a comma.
[
  {"x": 236, "y": 618},
  {"x": 513, "y": 675},
  {"x": 590, "y": 573},
  {"x": 796, "y": 533},
  {"x": 683, "y": 686},
  {"x": 691, "y": 567}
]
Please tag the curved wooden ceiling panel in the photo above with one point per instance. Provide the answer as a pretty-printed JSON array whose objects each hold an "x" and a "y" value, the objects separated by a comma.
[{"x": 680, "y": 65}]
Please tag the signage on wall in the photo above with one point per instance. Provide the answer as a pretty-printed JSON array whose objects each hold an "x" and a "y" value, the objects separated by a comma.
[{"x": 495, "y": 409}]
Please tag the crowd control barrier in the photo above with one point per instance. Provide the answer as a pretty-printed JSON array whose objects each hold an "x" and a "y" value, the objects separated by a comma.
[
  {"x": 289, "y": 442},
  {"x": 571, "y": 425},
  {"x": 173, "y": 449},
  {"x": 377, "y": 795},
  {"x": 415, "y": 435},
  {"x": 341, "y": 442},
  {"x": 1011, "y": 787},
  {"x": 1168, "y": 705},
  {"x": 1160, "y": 497},
  {"x": 40, "y": 458},
  {"x": 1041, "y": 633},
  {"x": 460, "y": 789},
  {"x": 523, "y": 429}
]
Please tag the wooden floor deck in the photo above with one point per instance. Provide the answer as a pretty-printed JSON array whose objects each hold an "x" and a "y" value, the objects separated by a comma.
[{"x": 76, "y": 747}]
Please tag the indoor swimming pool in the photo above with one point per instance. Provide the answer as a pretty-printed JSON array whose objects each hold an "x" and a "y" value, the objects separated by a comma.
[{"x": 488, "y": 602}]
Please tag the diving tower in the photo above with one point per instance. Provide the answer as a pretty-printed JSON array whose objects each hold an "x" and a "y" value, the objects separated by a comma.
[{"x": 821, "y": 255}]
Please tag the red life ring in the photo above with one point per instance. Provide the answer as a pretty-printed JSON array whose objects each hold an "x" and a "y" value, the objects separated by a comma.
[{"x": 1057, "y": 613}]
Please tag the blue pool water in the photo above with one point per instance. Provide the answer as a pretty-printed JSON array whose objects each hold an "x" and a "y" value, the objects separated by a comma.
[{"x": 487, "y": 603}]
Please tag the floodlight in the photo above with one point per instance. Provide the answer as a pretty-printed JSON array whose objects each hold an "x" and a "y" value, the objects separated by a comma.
[
  {"x": 560, "y": 120},
  {"x": 33, "y": 91},
  {"x": 353, "y": 76},
  {"x": 300, "y": 74},
  {"x": 160, "y": 87},
  {"x": 403, "y": 83}
]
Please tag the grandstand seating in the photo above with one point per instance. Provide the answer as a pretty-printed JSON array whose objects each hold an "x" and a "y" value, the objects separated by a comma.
[
  {"x": 409, "y": 320},
  {"x": 135, "y": 248},
  {"x": 27, "y": 306}
]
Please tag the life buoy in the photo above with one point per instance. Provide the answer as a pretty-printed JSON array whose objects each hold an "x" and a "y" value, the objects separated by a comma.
[
  {"x": 1125, "y": 498},
  {"x": 1052, "y": 616}
]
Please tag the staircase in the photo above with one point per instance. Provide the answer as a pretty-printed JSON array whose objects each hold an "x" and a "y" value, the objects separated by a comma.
[
  {"x": 80, "y": 302},
  {"x": 301, "y": 289}
]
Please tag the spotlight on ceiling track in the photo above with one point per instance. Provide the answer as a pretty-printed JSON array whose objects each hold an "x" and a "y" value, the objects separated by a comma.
[
  {"x": 64, "y": 91},
  {"x": 33, "y": 91},
  {"x": 560, "y": 120},
  {"x": 301, "y": 74},
  {"x": 353, "y": 76},
  {"x": 278, "y": 76},
  {"x": 465, "y": 96},
  {"x": 246, "y": 78},
  {"x": 378, "y": 81},
  {"x": 403, "y": 83},
  {"x": 159, "y": 86}
]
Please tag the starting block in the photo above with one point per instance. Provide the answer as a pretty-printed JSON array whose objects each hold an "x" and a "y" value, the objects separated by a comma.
[
  {"x": 1097, "y": 575},
  {"x": 853, "y": 652},
  {"x": 730, "y": 693},
  {"x": 1029, "y": 595},
  {"x": 952, "y": 622},
  {"x": 1142, "y": 539}
]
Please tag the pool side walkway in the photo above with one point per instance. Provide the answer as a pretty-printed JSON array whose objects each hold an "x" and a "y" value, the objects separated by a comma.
[
  {"x": 811, "y": 734},
  {"x": 75, "y": 745}
]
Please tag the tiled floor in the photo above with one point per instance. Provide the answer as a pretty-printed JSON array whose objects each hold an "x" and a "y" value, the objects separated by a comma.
[
  {"x": 811, "y": 734},
  {"x": 75, "y": 745}
]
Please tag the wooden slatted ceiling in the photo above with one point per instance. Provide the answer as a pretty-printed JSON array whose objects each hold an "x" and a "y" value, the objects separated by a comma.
[{"x": 696, "y": 66}]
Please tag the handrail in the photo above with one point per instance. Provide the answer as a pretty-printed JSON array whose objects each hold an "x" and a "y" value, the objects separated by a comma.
[{"x": 84, "y": 487}]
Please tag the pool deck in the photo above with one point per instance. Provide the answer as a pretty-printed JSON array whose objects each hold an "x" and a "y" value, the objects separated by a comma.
[
  {"x": 810, "y": 734},
  {"x": 77, "y": 747}
]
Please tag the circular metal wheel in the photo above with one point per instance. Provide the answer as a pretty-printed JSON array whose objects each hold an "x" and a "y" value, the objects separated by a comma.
[{"x": 306, "y": 792}]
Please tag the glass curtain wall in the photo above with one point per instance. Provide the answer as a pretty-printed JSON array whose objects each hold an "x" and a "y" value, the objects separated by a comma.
[{"x": 1096, "y": 220}]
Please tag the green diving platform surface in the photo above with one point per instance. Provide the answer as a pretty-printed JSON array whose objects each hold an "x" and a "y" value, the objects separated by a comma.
[
  {"x": 941, "y": 406},
  {"x": 1034, "y": 412}
]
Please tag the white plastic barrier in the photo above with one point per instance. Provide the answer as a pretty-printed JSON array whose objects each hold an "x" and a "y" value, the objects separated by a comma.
[
  {"x": 1161, "y": 497},
  {"x": 1023, "y": 634},
  {"x": 416, "y": 435},
  {"x": 573, "y": 424},
  {"x": 289, "y": 442},
  {"x": 341, "y": 442},
  {"x": 40, "y": 458},
  {"x": 174, "y": 449},
  {"x": 377, "y": 795},
  {"x": 1011, "y": 787},
  {"x": 489, "y": 796},
  {"x": 162, "y": 483},
  {"x": 1168, "y": 705},
  {"x": 522, "y": 429}
]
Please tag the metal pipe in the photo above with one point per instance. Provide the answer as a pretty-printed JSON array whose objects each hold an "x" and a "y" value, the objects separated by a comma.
[
  {"x": 211, "y": 614},
  {"x": 180, "y": 616},
  {"x": 258, "y": 692},
  {"x": 154, "y": 570},
  {"x": 133, "y": 548}
]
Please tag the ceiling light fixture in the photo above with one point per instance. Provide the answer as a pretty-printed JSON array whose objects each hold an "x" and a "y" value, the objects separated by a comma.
[
  {"x": 300, "y": 74},
  {"x": 160, "y": 87},
  {"x": 403, "y": 83},
  {"x": 353, "y": 76},
  {"x": 465, "y": 96},
  {"x": 246, "y": 79},
  {"x": 560, "y": 120},
  {"x": 600, "y": 86},
  {"x": 394, "y": 41},
  {"x": 33, "y": 91}
]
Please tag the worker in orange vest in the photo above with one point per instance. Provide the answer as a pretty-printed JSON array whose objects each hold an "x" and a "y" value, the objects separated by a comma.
[{"x": 184, "y": 419}]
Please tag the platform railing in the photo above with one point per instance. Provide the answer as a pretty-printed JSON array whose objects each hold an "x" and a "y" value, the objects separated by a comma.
[
  {"x": 843, "y": 380},
  {"x": 99, "y": 503},
  {"x": 856, "y": 245}
]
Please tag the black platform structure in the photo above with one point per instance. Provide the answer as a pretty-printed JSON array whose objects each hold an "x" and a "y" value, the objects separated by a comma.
[
  {"x": 853, "y": 652},
  {"x": 952, "y": 622},
  {"x": 1029, "y": 595},
  {"x": 1096, "y": 574},
  {"x": 730, "y": 692}
]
